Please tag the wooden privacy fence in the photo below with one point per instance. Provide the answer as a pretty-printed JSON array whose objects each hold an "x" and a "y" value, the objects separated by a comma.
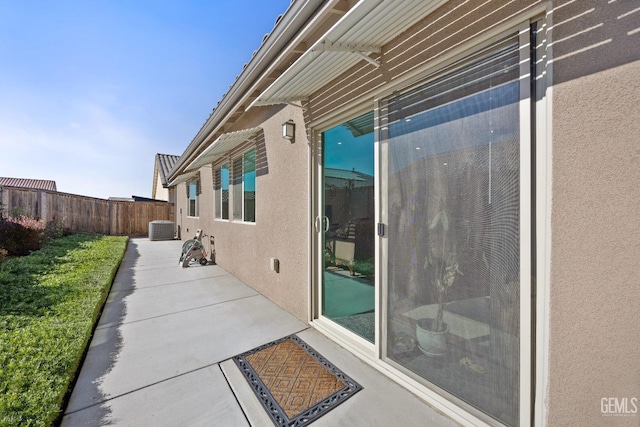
[{"x": 84, "y": 214}]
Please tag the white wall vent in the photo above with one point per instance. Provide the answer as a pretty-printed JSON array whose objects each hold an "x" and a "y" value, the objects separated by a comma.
[{"x": 161, "y": 230}]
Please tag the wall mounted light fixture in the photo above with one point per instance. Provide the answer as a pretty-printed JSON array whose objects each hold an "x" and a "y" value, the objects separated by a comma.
[{"x": 289, "y": 130}]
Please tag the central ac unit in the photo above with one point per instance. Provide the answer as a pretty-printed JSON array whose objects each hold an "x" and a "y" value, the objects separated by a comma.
[{"x": 161, "y": 230}]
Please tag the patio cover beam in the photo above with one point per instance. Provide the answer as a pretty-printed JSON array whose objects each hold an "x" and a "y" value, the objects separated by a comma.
[
  {"x": 363, "y": 30},
  {"x": 362, "y": 51}
]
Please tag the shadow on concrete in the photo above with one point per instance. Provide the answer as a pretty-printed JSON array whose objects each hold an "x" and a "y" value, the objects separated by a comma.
[{"x": 106, "y": 342}]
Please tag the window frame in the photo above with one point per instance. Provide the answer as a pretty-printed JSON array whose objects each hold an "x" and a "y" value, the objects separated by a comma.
[
  {"x": 219, "y": 191},
  {"x": 195, "y": 183},
  {"x": 238, "y": 182}
]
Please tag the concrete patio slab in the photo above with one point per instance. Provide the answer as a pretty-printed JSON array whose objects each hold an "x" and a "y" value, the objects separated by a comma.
[
  {"x": 251, "y": 406},
  {"x": 124, "y": 306},
  {"x": 163, "y": 275},
  {"x": 160, "y": 355},
  {"x": 144, "y": 254},
  {"x": 169, "y": 403},
  {"x": 151, "y": 350},
  {"x": 163, "y": 322}
]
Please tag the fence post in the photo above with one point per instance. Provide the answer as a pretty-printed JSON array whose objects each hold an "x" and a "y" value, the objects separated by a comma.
[
  {"x": 110, "y": 217},
  {"x": 38, "y": 208}
]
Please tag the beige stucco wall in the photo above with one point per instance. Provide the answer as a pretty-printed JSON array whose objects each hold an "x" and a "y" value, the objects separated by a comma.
[
  {"x": 282, "y": 215},
  {"x": 160, "y": 193},
  {"x": 204, "y": 220},
  {"x": 594, "y": 350}
]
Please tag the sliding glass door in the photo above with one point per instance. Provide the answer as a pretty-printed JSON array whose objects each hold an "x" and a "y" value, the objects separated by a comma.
[
  {"x": 347, "y": 201},
  {"x": 453, "y": 154},
  {"x": 444, "y": 218}
]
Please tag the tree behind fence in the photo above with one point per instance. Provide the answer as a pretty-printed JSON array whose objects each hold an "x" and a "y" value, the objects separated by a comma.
[{"x": 84, "y": 214}]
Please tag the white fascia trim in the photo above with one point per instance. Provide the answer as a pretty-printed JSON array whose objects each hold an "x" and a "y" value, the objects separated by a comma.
[{"x": 182, "y": 178}]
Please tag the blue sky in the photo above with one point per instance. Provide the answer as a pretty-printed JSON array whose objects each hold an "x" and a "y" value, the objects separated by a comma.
[
  {"x": 345, "y": 151},
  {"x": 91, "y": 90}
]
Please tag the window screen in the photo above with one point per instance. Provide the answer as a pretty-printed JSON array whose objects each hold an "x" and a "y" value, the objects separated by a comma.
[{"x": 453, "y": 230}]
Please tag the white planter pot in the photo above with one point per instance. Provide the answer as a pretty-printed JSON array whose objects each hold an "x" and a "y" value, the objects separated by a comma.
[{"x": 432, "y": 344}]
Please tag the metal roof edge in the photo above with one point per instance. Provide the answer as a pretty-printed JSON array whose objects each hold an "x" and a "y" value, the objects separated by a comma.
[{"x": 286, "y": 27}]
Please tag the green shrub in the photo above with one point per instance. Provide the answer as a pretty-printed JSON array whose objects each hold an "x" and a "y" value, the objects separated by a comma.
[
  {"x": 366, "y": 268},
  {"x": 54, "y": 230},
  {"x": 49, "y": 303},
  {"x": 21, "y": 235},
  {"x": 17, "y": 212}
]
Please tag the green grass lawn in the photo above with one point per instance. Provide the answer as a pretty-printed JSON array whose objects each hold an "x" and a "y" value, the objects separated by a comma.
[{"x": 49, "y": 302}]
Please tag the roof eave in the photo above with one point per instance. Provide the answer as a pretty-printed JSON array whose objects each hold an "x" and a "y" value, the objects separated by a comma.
[{"x": 293, "y": 20}]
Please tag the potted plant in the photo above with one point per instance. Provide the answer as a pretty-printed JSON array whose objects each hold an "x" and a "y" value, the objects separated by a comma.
[{"x": 442, "y": 267}]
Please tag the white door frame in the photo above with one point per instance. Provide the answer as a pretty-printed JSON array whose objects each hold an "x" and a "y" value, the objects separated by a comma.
[{"x": 373, "y": 354}]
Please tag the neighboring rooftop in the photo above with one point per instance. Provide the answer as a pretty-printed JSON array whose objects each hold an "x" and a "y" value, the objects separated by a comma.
[
  {"x": 345, "y": 177},
  {"x": 36, "y": 184},
  {"x": 165, "y": 162}
]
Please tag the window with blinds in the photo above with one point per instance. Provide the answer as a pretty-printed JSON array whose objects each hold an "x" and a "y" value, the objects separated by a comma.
[
  {"x": 221, "y": 190},
  {"x": 453, "y": 159},
  {"x": 244, "y": 186},
  {"x": 192, "y": 198}
]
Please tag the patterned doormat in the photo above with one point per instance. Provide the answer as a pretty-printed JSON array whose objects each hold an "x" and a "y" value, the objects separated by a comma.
[{"x": 294, "y": 383}]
